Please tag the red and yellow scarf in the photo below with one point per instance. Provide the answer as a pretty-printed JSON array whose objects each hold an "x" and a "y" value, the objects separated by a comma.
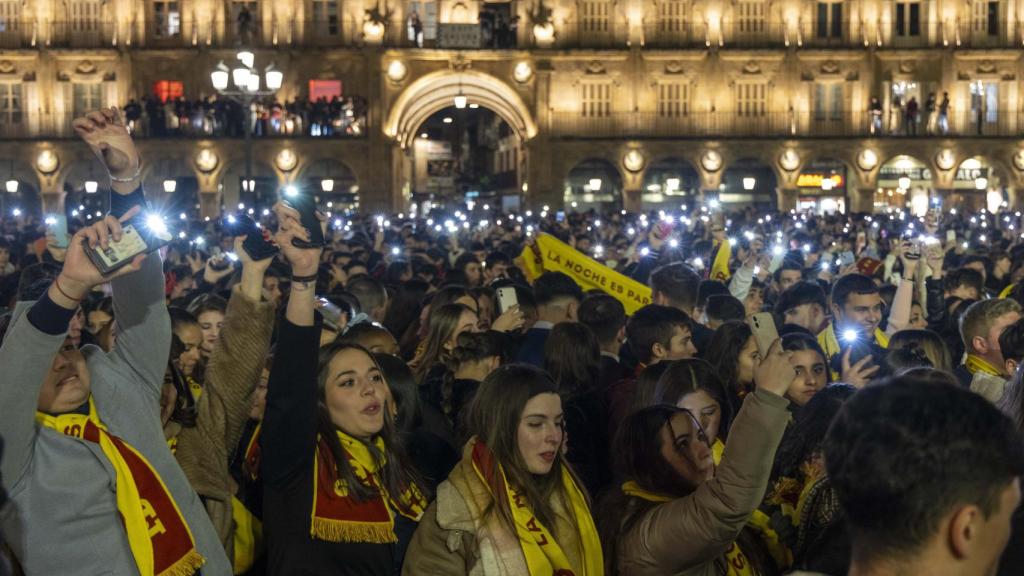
[
  {"x": 736, "y": 561},
  {"x": 253, "y": 454},
  {"x": 339, "y": 517},
  {"x": 541, "y": 550},
  {"x": 160, "y": 540}
]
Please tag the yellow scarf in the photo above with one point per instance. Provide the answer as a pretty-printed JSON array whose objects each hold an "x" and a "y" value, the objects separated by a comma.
[
  {"x": 339, "y": 517},
  {"x": 735, "y": 560},
  {"x": 158, "y": 535},
  {"x": 195, "y": 387},
  {"x": 977, "y": 364},
  {"x": 830, "y": 344},
  {"x": 541, "y": 550}
]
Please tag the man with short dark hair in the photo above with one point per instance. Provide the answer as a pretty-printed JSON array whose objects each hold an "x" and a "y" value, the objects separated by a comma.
[
  {"x": 558, "y": 299},
  {"x": 496, "y": 266},
  {"x": 803, "y": 304},
  {"x": 722, "y": 308},
  {"x": 856, "y": 305},
  {"x": 372, "y": 297},
  {"x": 678, "y": 286},
  {"x": 927, "y": 476},
  {"x": 606, "y": 318}
]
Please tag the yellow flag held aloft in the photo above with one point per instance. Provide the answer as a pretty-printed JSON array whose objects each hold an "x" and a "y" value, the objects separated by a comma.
[
  {"x": 552, "y": 255},
  {"x": 720, "y": 265}
]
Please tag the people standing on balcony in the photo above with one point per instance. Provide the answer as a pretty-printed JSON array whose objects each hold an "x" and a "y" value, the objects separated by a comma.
[
  {"x": 244, "y": 22},
  {"x": 910, "y": 117},
  {"x": 875, "y": 113},
  {"x": 931, "y": 107},
  {"x": 417, "y": 28},
  {"x": 944, "y": 114},
  {"x": 896, "y": 114}
]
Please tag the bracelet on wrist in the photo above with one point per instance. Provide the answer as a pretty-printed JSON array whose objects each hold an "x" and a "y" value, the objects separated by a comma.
[
  {"x": 310, "y": 278},
  {"x": 132, "y": 178},
  {"x": 56, "y": 283}
]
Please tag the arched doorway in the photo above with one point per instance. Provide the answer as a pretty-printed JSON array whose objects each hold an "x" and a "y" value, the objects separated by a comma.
[
  {"x": 748, "y": 182},
  {"x": 669, "y": 183},
  {"x": 173, "y": 185},
  {"x": 978, "y": 184},
  {"x": 334, "y": 182},
  {"x": 464, "y": 156},
  {"x": 904, "y": 181},
  {"x": 822, "y": 186},
  {"x": 467, "y": 98},
  {"x": 595, "y": 184}
]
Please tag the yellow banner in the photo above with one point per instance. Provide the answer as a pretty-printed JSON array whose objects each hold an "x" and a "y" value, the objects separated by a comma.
[
  {"x": 720, "y": 266},
  {"x": 553, "y": 255}
]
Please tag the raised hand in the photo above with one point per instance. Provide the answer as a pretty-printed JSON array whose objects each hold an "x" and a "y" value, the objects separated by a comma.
[
  {"x": 304, "y": 261},
  {"x": 860, "y": 373},
  {"x": 79, "y": 275},
  {"x": 775, "y": 373},
  {"x": 511, "y": 321},
  {"x": 106, "y": 133}
]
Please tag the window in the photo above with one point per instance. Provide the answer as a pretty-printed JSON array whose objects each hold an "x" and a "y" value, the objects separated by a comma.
[
  {"x": 751, "y": 16},
  {"x": 751, "y": 99},
  {"x": 86, "y": 98},
  {"x": 166, "y": 19},
  {"x": 10, "y": 104},
  {"x": 85, "y": 15},
  {"x": 908, "y": 18},
  {"x": 426, "y": 14},
  {"x": 828, "y": 101},
  {"x": 594, "y": 15},
  {"x": 168, "y": 90},
  {"x": 985, "y": 17},
  {"x": 672, "y": 17},
  {"x": 673, "y": 99},
  {"x": 597, "y": 99},
  {"x": 325, "y": 17},
  {"x": 10, "y": 15},
  {"x": 829, "y": 23}
]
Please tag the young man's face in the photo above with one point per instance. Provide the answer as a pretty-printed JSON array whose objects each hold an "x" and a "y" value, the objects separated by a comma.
[
  {"x": 996, "y": 329},
  {"x": 789, "y": 277},
  {"x": 680, "y": 346},
  {"x": 864, "y": 310}
]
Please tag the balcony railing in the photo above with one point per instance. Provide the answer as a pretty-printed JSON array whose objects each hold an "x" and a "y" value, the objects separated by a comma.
[
  {"x": 1008, "y": 124},
  {"x": 347, "y": 31}
]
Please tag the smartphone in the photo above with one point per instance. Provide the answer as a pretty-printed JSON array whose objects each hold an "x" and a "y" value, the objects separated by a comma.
[
  {"x": 257, "y": 243},
  {"x": 58, "y": 224},
  {"x": 305, "y": 205},
  {"x": 119, "y": 254},
  {"x": 506, "y": 299},
  {"x": 560, "y": 216},
  {"x": 846, "y": 258},
  {"x": 762, "y": 325},
  {"x": 860, "y": 347},
  {"x": 331, "y": 313},
  {"x": 951, "y": 236}
]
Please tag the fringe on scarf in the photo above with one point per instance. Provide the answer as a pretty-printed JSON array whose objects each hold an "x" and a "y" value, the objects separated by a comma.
[{"x": 350, "y": 531}]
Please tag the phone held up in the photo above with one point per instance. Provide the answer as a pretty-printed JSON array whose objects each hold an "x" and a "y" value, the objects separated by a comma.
[
  {"x": 257, "y": 243},
  {"x": 305, "y": 204},
  {"x": 506, "y": 299},
  {"x": 762, "y": 325},
  {"x": 139, "y": 236}
]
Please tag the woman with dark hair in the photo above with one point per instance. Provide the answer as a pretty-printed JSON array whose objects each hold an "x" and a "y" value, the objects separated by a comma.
[
  {"x": 424, "y": 432},
  {"x": 928, "y": 342},
  {"x": 446, "y": 323},
  {"x": 100, "y": 322},
  {"x": 693, "y": 385},
  {"x": 512, "y": 506},
  {"x": 572, "y": 356},
  {"x": 475, "y": 356},
  {"x": 812, "y": 373},
  {"x": 647, "y": 384},
  {"x": 209, "y": 310},
  {"x": 676, "y": 513},
  {"x": 404, "y": 307},
  {"x": 340, "y": 496},
  {"x": 806, "y": 529},
  {"x": 733, "y": 354}
]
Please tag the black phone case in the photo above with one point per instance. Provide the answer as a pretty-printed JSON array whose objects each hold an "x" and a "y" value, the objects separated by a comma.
[
  {"x": 305, "y": 205},
  {"x": 152, "y": 245},
  {"x": 255, "y": 244}
]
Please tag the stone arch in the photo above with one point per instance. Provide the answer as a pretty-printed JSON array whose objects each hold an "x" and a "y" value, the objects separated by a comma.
[
  {"x": 343, "y": 177},
  {"x": 437, "y": 91},
  {"x": 577, "y": 184}
]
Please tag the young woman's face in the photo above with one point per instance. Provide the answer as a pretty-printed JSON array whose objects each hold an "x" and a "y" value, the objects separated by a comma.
[
  {"x": 540, "y": 432},
  {"x": 811, "y": 376},
  {"x": 706, "y": 409},
  {"x": 98, "y": 320},
  {"x": 354, "y": 393},
  {"x": 746, "y": 363},
  {"x": 468, "y": 322},
  {"x": 917, "y": 319},
  {"x": 211, "y": 322},
  {"x": 191, "y": 338},
  {"x": 686, "y": 449}
]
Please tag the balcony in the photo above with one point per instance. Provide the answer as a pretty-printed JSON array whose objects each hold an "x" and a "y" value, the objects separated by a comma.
[
  {"x": 82, "y": 34},
  {"x": 998, "y": 124}
]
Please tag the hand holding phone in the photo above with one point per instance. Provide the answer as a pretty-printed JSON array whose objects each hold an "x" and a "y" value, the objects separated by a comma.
[
  {"x": 506, "y": 299},
  {"x": 762, "y": 325},
  {"x": 136, "y": 239},
  {"x": 305, "y": 205},
  {"x": 258, "y": 244}
]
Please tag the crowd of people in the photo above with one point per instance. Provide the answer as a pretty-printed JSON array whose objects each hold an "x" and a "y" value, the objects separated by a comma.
[
  {"x": 413, "y": 396},
  {"x": 211, "y": 116}
]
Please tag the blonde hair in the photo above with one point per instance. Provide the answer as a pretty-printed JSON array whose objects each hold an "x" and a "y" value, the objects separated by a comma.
[{"x": 980, "y": 316}]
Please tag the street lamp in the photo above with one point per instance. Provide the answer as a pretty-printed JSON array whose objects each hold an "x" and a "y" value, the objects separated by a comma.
[
  {"x": 91, "y": 186},
  {"x": 170, "y": 186},
  {"x": 595, "y": 184},
  {"x": 12, "y": 186},
  {"x": 749, "y": 182},
  {"x": 327, "y": 185},
  {"x": 246, "y": 89}
]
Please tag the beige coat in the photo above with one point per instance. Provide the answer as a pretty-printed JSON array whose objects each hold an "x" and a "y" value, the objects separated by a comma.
[
  {"x": 454, "y": 536},
  {"x": 233, "y": 371},
  {"x": 684, "y": 537}
]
